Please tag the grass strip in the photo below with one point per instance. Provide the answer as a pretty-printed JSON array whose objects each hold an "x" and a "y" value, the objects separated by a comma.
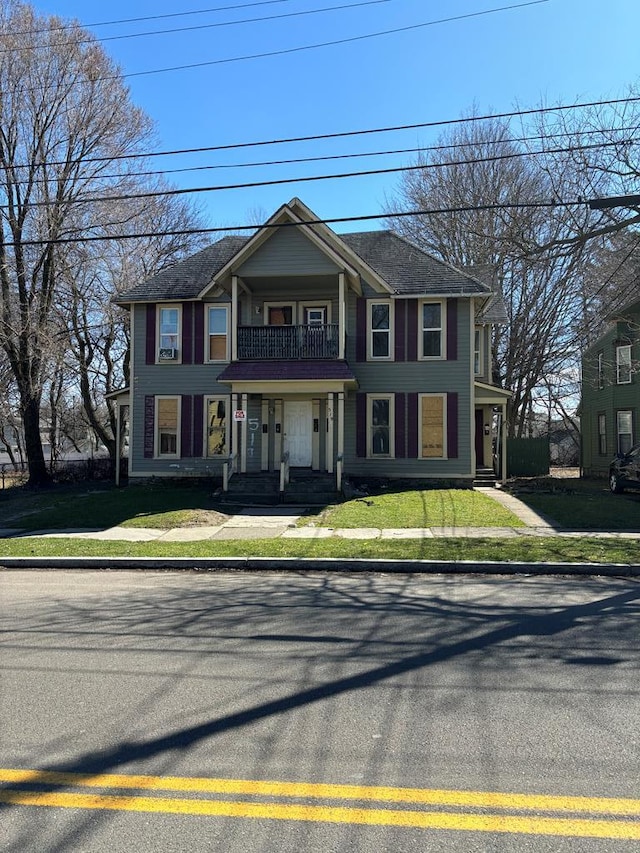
[{"x": 529, "y": 549}]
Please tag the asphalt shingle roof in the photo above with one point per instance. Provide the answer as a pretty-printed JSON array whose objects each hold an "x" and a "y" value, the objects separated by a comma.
[
  {"x": 278, "y": 370},
  {"x": 406, "y": 268},
  {"x": 403, "y": 266}
]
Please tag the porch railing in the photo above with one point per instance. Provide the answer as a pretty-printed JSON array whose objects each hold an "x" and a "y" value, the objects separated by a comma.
[
  {"x": 288, "y": 342},
  {"x": 284, "y": 472},
  {"x": 229, "y": 468}
]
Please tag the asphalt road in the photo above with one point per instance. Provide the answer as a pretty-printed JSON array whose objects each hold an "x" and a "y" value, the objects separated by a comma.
[{"x": 291, "y": 713}]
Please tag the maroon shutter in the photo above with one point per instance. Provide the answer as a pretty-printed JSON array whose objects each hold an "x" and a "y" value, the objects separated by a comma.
[
  {"x": 198, "y": 420},
  {"x": 149, "y": 417},
  {"x": 198, "y": 336},
  {"x": 187, "y": 333},
  {"x": 361, "y": 425},
  {"x": 361, "y": 329},
  {"x": 150, "y": 351},
  {"x": 452, "y": 425},
  {"x": 400, "y": 426},
  {"x": 400, "y": 310},
  {"x": 412, "y": 426},
  {"x": 452, "y": 329},
  {"x": 412, "y": 330},
  {"x": 185, "y": 427}
]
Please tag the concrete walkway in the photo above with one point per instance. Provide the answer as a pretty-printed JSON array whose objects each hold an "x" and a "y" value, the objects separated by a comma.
[{"x": 281, "y": 522}]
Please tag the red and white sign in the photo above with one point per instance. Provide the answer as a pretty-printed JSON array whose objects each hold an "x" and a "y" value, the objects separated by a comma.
[{"x": 239, "y": 415}]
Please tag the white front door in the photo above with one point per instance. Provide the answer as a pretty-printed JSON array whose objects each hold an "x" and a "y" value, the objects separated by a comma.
[{"x": 298, "y": 420}]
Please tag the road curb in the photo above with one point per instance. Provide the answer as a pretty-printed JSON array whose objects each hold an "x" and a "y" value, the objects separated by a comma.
[{"x": 317, "y": 564}]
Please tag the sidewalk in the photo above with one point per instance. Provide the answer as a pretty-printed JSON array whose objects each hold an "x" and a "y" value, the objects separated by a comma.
[{"x": 281, "y": 522}]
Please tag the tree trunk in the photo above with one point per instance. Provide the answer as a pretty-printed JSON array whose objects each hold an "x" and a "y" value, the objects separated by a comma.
[{"x": 38, "y": 474}]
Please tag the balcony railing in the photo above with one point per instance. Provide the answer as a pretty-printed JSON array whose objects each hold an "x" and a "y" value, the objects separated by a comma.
[{"x": 287, "y": 342}]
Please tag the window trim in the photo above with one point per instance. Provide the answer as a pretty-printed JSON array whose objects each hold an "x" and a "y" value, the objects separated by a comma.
[
  {"x": 619, "y": 364},
  {"x": 156, "y": 431},
  {"x": 445, "y": 449},
  {"x": 211, "y": 398},
  {"x": 443, "y": 330},
  {"x": 390, "y": 331},
  {"x": 282, "y": 304},
  {"x": 479, "y": 352},
  {"x": 226, "y": 308},
  {"x": 169, "y": 306},
  {"x": 390, "y": 398},
  {"x": 602, "y": 434},
  {"x": 317, "y": 304},
  {"x": 618, "y": 433}
]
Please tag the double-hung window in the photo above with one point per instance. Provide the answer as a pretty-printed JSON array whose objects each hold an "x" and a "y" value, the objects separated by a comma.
[
  {"x": 477, "y": 351},
  {"x": 624, "y": 420},
  {"x": 218, "y": 334},
  {"x": 602, "y": 434},
  {"x": 431, "y": 330},
  {"x": 216, "y": 411},
  {"x": 380, "y": 330},
  {"x": 167, "y": 426},
  {"x": 623, "y": 364},
  {"x": 432, "y": 426},
  {"x": 169, "y": 319},
  {"x": 381, "y": 428}
]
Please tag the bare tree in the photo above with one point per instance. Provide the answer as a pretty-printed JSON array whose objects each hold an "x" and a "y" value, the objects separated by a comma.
[
  {"x": 65, "y": 116},
  {"x": 497, "y": 235}
]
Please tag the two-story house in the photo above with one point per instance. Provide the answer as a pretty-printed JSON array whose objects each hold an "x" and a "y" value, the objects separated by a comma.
[
  {"x": 611, "y": 391},
  {"x": 353, "y": 354}
]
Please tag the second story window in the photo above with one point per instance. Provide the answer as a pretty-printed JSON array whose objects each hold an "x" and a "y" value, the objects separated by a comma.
[
  {"x": 477, "y": 352},
  {"x": 218, "y": 333},
  {"x": 623, "y": 364},
  {"x": 168, "y": 332},
  {"x": 380, "y": 345},
  {"x": 431, "y": 338},
  {"x": 600, "y": 370}
]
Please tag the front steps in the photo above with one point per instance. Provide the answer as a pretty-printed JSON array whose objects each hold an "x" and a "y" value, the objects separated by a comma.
[
  {"x": 485, "y": 477},
  {"x": 305, "y": 488}
]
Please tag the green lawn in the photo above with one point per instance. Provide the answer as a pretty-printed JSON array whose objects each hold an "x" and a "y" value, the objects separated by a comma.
[
  {"x": 581, "y": 504},
  {"x": 525, "y": 549},
  {"x": 424, "y": 508},
  {"x": 159, "y": 506}
]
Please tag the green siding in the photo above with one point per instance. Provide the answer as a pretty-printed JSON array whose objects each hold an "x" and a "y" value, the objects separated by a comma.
[
  {"x": 611, "y": 397},
  {"x": 287, "y": 252}
]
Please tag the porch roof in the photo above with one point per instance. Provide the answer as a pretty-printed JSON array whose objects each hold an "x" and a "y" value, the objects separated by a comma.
[{"x": 284, "y": 371}]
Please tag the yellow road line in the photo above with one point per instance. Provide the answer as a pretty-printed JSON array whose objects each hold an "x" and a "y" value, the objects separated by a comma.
[
  {"x": 311, "y": 790},
  {"x": 373, "y": 817}
]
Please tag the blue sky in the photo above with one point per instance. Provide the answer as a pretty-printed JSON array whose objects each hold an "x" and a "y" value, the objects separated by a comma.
[{"x": 557, "y": 51}]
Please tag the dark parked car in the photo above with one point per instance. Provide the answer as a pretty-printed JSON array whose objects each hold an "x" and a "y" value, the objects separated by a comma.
[{"x": 624, "y": 471}]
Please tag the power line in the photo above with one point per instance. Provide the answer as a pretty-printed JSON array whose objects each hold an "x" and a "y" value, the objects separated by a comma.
[
  {"x": 348, "y": 40},
  {"x": 331, "y": 221},
  {"x": 205, "y": 26},
  {"x": 310, "y": 178},
  {"x": 148, "y": 17},
  {"x": 337, "y": 135}
]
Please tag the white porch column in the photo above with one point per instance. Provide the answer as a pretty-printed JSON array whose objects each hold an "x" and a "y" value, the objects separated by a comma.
[
  {"x": 243, "y": 426},
  {"x": 342, "y": 316},
  {"x": 234, "y": 318},
  {"x": 340, "y": 423},
  {"x": 503, "y": 448},
  {"x": 264, "y": 460},
  {"x": 235, "y": 430},
  {"x": 330, "y": 418},
  {"x": 118, "y": 416}
]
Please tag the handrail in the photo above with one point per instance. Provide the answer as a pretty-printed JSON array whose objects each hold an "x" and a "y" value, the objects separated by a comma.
[
  {"x": 339, "y": 462},
  {"x": 284, "y": 471},
  {"x": 229, "y": 468}
]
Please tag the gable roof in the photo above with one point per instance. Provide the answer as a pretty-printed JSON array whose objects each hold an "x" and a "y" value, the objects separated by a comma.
[{"x": 385, "y": 258}]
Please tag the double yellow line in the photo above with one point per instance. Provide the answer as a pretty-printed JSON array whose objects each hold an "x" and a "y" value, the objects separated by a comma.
[{"x": 615, "y": 818}]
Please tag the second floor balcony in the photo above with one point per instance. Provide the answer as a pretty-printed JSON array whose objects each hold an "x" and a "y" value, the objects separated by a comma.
[{"x": 288, "y": 342}]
